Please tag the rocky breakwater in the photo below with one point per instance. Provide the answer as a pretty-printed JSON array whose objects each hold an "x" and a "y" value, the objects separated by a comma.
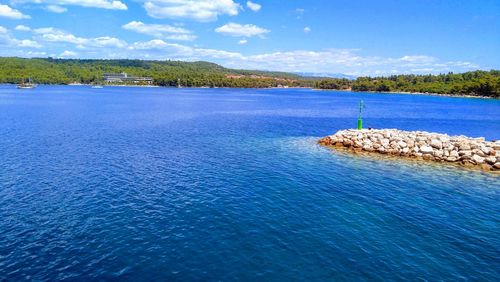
[{"x": 473, "y": 152}]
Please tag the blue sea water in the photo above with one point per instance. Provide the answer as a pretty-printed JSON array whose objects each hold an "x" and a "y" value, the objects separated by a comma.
[{"x": 152, "y": 184}]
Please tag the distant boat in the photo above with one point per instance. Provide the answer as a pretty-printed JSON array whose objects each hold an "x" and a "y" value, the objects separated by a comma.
[
  {"x": 26, "y": 85},
  {"x": 97, "y": 86}
]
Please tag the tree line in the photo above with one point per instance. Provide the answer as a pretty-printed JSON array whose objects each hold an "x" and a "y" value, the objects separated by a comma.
[{"x": 474, "y": 83}]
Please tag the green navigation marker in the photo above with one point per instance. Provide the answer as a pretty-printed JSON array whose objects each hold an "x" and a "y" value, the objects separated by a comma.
[{"x": 360, "y": 120}]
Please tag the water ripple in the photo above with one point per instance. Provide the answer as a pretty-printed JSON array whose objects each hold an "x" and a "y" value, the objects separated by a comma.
[{"x": 180, "y": 184}]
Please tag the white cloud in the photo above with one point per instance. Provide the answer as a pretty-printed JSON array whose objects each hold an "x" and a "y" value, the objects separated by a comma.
[
  {"x": 158, "y": 44},
  {"x": 253, "y": 6},
  {"x": 26, "y": 43},
  {"x": 102, "y": 4},
  {"x": 51, "y": 34},
  {"x": 106, "y": 41},
  {"x": 3, "y": 30},
  {"x": 199, "y": 10},
  {"x": 56, "y": 9},
  {"x": 22, "y": 28},
  {"x": 7, "y": 12},
  {"x": 307, "y": 29},
  {"x": 418, "y": 59},
  {"x": 68, "y": 54},
  {"x": 242, "y": 42},
  {"x": 161, "y": 31},
  {"x": 7, "y": 39},
  {"x": 55, "y": 35},
  {"x": 247, "y": 30}
]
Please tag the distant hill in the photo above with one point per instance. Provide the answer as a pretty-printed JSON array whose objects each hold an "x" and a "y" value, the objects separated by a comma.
[{"x": 164, "y": 73}]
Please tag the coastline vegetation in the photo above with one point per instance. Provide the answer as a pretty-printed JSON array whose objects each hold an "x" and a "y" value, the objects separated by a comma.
[
  {"x": 164, "y": 73},
  {"x": 206, "y": 74},
  {"x": 474, "y": 83}
]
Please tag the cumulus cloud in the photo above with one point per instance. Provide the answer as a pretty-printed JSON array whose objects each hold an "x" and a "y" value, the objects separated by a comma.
[
  {"x": 242, "y": 42},
  {"x": 247, "y": 30},
  {"x": 26, "y": 43},
  {"x": 51, "y": 34},
  {"x": 198, "y": 10},
  {"x": 161, "y": 31},
  {"x": 22, "y": 28},
  {"x": 102, "y": 4},
  {"x": 8, "y": 40},
  {"x": 8, "y": 12},
  {"x": 56, "y": 9},
  {"x": 307, "y": 29},
  {"x": 253, "y": 6}
]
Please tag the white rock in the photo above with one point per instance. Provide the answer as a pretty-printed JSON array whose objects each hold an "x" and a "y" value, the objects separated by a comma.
[
  {"x": 438, "y": 153},
  {"x": 426, "y": 150},
  {"x": 435, "y": 143},
  {"x": 478, "y": 159},
  {"x": 491, "y": 160},
  {"x": 464, "y": 146},
  {"x": 485, "y": 150}
]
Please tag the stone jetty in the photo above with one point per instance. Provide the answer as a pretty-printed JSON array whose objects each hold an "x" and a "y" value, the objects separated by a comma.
[{"x": 462, "y": 150}]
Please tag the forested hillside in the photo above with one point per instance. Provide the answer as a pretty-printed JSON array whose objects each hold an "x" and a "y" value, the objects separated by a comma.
[
  {"x": 475, "y": 83},
  {"x": 164, "y": 73}
]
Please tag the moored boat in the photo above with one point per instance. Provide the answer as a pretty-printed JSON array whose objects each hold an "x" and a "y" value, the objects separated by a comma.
[{"x": 26, "y": 85}]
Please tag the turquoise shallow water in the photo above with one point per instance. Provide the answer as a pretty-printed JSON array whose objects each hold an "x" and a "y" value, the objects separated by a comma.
[{"x": 229, "y": 184}]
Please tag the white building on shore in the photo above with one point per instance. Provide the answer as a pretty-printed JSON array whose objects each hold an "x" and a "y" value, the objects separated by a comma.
[{"x": 125, "y": 78}]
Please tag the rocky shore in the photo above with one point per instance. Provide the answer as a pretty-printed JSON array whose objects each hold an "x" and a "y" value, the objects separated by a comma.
[{"x": 462, "y": 150}]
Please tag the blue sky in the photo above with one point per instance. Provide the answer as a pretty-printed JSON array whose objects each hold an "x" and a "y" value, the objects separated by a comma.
[{"x": 335, "y": 36}]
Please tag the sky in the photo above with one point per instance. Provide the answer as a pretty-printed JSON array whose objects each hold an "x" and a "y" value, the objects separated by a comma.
[{"x": 354, "y": 37}]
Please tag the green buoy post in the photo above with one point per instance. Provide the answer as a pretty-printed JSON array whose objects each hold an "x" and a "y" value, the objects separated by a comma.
[{"x": 360, "y": 119}]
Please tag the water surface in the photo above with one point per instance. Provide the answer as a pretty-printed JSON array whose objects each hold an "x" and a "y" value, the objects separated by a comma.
[{"x": 225, "y": 184}]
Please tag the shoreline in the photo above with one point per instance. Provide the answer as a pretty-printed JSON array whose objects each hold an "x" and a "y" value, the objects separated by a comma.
[
  {"x": 297, "y": 87},
  {"x": 411, "y": 93}
]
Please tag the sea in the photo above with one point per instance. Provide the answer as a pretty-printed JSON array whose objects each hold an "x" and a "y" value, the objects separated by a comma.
[{"x": 168, "y": 184}]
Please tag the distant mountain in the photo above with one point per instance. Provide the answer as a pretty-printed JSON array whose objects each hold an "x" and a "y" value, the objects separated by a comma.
[{"x": 325, "y": 74}]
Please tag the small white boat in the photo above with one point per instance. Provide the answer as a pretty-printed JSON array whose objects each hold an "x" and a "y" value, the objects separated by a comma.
[
  {"x": 26, "y": 85},
  {"x": 97, "y": 86}
]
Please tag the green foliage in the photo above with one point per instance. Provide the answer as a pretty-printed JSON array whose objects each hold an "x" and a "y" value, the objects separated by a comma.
[
  {"x": 164, "y": 73},
  {"x": 475, "y": 83},
  {"x": 337, "y": 84}
]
